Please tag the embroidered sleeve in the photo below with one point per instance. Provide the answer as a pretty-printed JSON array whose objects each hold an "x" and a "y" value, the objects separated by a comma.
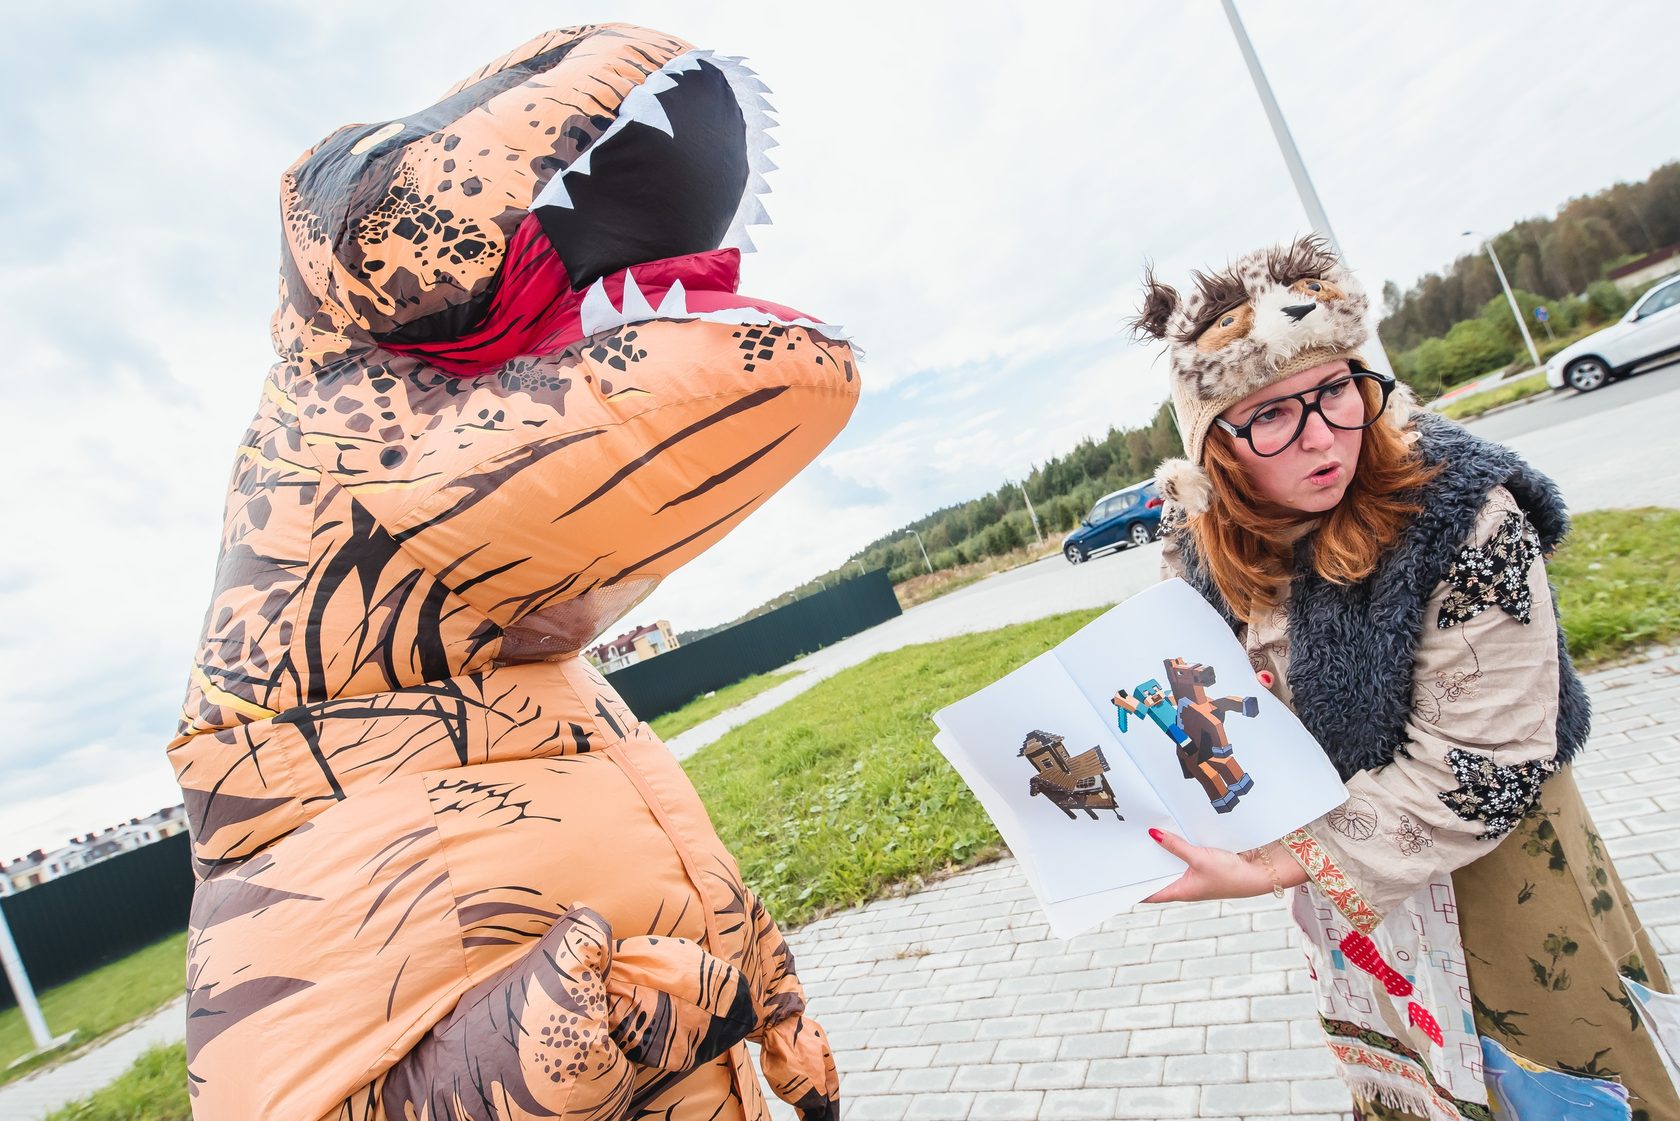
[{"x": 1482, "y": 735}]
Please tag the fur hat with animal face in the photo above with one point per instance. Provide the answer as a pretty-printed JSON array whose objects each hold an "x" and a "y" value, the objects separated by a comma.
[{"x": 1270, "y": 315}]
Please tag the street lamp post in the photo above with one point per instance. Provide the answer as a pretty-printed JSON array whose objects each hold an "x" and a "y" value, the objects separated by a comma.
[
  {"x": 923, "y": 549},
  {"x": 1038, "y": 533},
  {"x": 1292, "y": 159},
  {"x": 1487, "y": 242},
  {"x": 25, "y": 992}
]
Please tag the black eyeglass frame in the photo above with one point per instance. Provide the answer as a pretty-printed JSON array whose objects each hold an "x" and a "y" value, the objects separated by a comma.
[{"x": 1356, "y": 373}]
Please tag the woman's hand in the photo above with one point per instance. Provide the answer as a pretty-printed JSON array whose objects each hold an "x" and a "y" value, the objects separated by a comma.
[{"x": 1217, "y": 874}]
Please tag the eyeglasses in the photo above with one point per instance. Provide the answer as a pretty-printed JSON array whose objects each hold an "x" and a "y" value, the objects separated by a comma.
[{"x": 1348, "y": 403}]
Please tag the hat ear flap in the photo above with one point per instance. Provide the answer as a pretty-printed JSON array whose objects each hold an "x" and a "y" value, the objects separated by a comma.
[
  {"x": 1160, "y": 301},
  {"x": 1185, "y": 486}
]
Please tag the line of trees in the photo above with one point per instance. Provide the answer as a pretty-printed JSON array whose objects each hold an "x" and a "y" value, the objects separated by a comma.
[{"x": 1455, "y": 325}]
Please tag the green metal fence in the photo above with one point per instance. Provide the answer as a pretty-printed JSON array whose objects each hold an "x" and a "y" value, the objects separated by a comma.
[
  {"x": 666, "y": 683},
  {"x": 78, "y": 922}
]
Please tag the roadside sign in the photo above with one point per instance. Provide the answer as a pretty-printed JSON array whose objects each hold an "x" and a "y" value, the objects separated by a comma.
[{"x": 1542, "y": 314}]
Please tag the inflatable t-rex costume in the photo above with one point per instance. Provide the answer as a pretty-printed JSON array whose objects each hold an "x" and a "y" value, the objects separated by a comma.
[{"x": 443, "y": 871}]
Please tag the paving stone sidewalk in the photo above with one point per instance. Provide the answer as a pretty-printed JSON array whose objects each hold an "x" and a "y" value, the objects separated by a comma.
[
  {"x": 32, "y": 1098},
  {"x": 956, "y": 1003}
]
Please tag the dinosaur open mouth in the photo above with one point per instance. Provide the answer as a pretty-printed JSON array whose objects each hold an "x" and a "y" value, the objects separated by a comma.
[
  {"x": 647, "y": 223},
  {"x": 679, "y": 171}
]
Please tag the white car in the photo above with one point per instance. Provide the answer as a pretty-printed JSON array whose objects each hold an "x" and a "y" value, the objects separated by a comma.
[{"x": 1650, "y": 328}]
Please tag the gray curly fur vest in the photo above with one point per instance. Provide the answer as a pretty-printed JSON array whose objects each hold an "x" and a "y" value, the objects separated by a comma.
[{"x": 1352, "y": 648}]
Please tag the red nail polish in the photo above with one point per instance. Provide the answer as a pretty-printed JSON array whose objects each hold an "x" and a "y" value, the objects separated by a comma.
[
  {"x": 1266, "y": 679},
  {"x": 1157, "y": 836}
]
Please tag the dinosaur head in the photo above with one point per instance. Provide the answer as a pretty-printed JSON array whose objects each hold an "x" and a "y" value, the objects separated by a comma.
[{"x": 582, "y": 153}]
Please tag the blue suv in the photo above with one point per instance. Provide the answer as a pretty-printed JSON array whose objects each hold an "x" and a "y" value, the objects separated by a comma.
[{"x": 1126, "y": 517}]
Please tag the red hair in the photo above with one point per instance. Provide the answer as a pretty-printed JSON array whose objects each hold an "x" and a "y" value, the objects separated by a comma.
[{"x": 1248, "y": 543}]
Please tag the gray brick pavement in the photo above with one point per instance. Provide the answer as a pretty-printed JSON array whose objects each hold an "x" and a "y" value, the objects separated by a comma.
[
  {"x": 955, "y": 1004},
  {"x": 973, "y": 1012}
]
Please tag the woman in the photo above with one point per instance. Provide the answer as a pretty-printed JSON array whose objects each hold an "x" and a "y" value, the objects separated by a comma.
[{"x": 1385, "y": 573}]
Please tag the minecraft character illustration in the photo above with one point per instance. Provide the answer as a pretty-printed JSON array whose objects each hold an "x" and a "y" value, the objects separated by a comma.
[
  {"x": 1207, "y": 756},
  {"x": 1150, "y": 701},
  {"x": 1070, "y": 783}
]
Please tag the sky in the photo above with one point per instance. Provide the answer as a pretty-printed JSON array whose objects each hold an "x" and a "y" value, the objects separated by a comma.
[{"x": 972, "y": 189}]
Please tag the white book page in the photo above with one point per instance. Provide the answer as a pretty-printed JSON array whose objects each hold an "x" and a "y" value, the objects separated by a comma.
[
  {"x": 1011, "y": 738},
  {"x": 1256, "y": 773},
  {"x": 1068, "y": 918}
]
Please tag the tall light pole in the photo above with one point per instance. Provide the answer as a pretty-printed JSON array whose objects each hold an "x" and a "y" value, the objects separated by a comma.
[
  {"x": 25, "y": 992},
  {"x": 923, "y": 549},
  {"x": 1292, "y": 159},
  {"x": 1022, "y": 487},
  {"x": 1487, "y": 243}
]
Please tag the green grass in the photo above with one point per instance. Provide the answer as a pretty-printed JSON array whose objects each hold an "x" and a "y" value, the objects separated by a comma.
[
  {"x": 153, "y": 1089},
  {"x": 98, "y": 1002},
  {"x": 1618, "y": 583},
  {"x": 840, "y": 794},
  {"x": 701, "y": 709},
  {"x": 1493, "y": 398}
]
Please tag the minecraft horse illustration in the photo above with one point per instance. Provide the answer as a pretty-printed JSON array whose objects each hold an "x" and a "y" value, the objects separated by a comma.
[
  {"x": 1070, "y": 783},
  {"x": 1195, "y": 723}
]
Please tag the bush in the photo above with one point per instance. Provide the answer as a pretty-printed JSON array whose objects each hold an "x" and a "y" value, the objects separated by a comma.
[
  {"x": 1473, "y": 347},
  {"x": 1565, "y": 313},
  {"x": 1000, "y": 538},
  {"x": 1605, "y": 302}
]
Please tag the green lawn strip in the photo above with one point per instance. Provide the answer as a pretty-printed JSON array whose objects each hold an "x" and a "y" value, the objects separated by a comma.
[
  {"x": 1618, "y": 583},
  {"x": 1493, "y": 398},
  {"x": 839, "y": 794},
  {"x": 107, "y": 998},
  {"x": 153, "y": 1089},
  {"x": 702, "y": 709}
]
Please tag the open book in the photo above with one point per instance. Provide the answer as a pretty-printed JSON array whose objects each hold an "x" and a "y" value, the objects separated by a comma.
[{"x": 1149, "y": 716}]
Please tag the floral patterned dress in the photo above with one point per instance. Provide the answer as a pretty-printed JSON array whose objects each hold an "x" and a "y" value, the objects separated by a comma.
[{"x": 1463, "y": 920}]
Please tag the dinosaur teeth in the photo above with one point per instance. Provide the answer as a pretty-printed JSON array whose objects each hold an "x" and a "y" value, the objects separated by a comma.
[
  {"x": 554, "y": 193},
  {"x": 636, "y": 307},
  {"x": 597, "y": 313},
  {"x": 675, "y": 301}
]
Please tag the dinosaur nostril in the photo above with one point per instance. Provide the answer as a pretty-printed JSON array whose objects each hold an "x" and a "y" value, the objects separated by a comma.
[{"x": 1298, "y": 312}]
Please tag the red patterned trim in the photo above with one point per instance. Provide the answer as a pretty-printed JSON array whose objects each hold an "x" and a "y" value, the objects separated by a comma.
[{"x": 1332, "y": 881}]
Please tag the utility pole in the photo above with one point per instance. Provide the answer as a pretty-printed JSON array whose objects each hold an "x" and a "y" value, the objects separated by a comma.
[
  {"x": 1292, "y": 159},
  {"x": 1038, "y": 533},
  {"x": 1487, "y": 243},
  {"x": 924, "y": 551}
]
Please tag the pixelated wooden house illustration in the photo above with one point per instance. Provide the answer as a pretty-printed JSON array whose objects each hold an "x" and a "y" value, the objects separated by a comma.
[{"x": 1072, "y": 783}]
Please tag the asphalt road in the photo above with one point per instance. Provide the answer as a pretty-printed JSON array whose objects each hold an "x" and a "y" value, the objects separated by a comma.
[
  {"x": 1558, "y": 407},
  {"x": 1616, "y": 447}
]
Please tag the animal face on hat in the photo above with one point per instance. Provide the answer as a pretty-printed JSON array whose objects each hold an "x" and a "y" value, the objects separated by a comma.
[{"x": 1253, "y": 323}]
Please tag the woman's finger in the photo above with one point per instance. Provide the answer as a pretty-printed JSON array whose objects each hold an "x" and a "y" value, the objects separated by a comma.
[{"x": 1174, "y": 844}]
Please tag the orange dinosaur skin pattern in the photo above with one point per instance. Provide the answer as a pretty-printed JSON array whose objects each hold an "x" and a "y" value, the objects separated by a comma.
[{"x": 444, "y": 872}]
